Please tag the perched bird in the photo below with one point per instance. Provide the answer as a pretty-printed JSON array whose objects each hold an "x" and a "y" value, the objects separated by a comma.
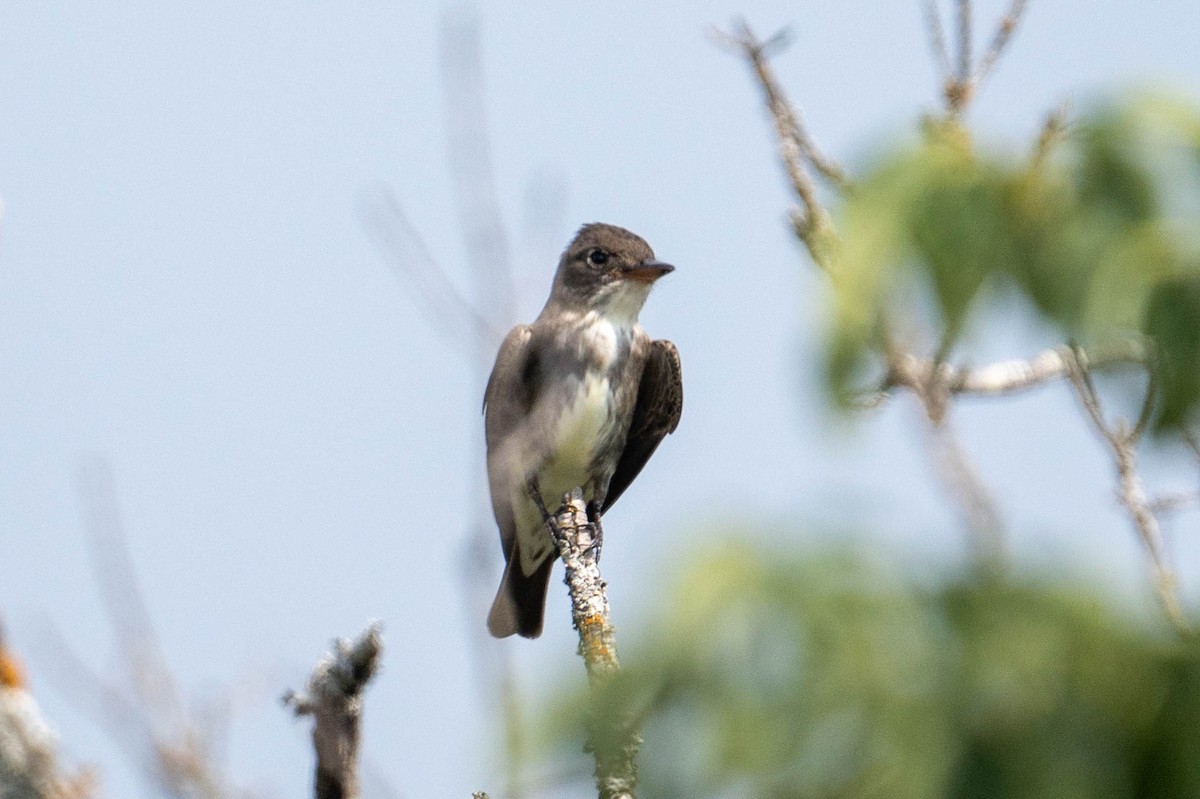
[{"x": 578, "y": 399}]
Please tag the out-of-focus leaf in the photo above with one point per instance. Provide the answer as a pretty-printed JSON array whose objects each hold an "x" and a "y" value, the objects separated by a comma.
[
  {"x": 1128, "y": 271},
  {"x": 933, "y": 216},
  {"x": 873, "y": 247},
  {"x": 833, "y": 675},
  {"x": 1173, "y": 322},
  {"x": 1113, "y": 180},
  {"x": 1054, "y": 249},
  {"x": 1085, "y": 235},
  {"x": 958, "y": 223}
]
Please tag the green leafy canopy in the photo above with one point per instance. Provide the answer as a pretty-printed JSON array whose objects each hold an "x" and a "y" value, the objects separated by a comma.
[
  {"x": 1100, "y": 234},
  {"x": 835, "y": 674}
]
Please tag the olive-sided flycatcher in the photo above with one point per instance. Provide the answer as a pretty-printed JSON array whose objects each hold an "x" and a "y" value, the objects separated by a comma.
[{"x": 578, "y": 399}]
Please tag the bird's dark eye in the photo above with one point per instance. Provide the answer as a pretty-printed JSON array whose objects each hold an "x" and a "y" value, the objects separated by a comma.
[{"x": 597, "y": 257}]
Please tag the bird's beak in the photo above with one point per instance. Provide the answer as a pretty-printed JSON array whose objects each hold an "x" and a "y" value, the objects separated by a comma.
[{"x": 646, "y": 271}]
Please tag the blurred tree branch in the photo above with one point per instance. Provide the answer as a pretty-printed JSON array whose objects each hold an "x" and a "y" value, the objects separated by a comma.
[
  {"x": 814, "y": 227},
  {"x": 1008, "y": 377},
  {"x": 333, "y": 698},
  {"x": 469, "y": 158},
  {"x": 962, "y": 79},
  {"x": 148, "y": 715},
  {"x": 935, "y": 382},
  {"x": 473, "y": 321},
  {"x": 1122, "y": 440},
  {"x": 798, "y": 151},
  {"x": 447, "y": 309}
]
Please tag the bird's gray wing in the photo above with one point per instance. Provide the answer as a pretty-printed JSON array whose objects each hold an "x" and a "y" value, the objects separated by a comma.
[
  {"x": 508, "y": 395},
  {"x": 659, "y": 406},
  {"x": 506, "y": 403}
]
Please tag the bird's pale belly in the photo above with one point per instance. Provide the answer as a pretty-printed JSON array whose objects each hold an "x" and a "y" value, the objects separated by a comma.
[
  {"x": 584, "y": 426},
  {"x": 582, "y": 429}
]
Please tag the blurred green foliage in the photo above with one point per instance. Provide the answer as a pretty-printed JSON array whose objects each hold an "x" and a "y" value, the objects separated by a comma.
[
  {"x": 836, "y": 675},
  {"x": 1099, "y": 231}
]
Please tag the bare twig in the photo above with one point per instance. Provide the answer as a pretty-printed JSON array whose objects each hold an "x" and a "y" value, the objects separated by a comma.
[
  {"x": 937, "y": 41},
  {"x": 814, "y": 228},
  {"x": 471, "y": 169},
  {"x": 978, "y": 508},
  {"x": 493, "y": 662},
  {"x": 961, "y": 80},
  {"x": 1121, "y": 442},
  {"x": 447, "y": 309},
  {"x": 1003, "y": 35},
  {"x": 492, "y": 277},
  {"x": 145, "y": 662},
  {"x": 1054, "y": 130},
  {"x": 334, "y": 699},
  {"x": 957, "y": 88},
  {"x": 1193, "y": 442},
  {"x": 150, "y": 718},
  {"x": 474, "y": 324},
  {"x": 474, "y": 319},
  {"x": 759, "y": 55},
  {"x": 615, "y": 751},
  {"x": 1013, "y": 376},
  {"x": 954, "y": 468},
  {"x": 796, "y": 147},
  {"x": 1146, "y": 414},
  {"x": 1176, "y": 500},
  {"x": 106, "y": 703},
  {"x": 964, "y": 41}
]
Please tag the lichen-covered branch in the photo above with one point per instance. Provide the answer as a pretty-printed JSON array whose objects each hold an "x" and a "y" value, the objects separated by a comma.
[
  {"x": 578, "y": 540},
  {"x": 334, "y": 699},
  {"x": 577, "y": 544},
  {"x": 29, "y": 767}
]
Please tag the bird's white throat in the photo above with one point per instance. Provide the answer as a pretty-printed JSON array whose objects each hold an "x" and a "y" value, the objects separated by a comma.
[{"x": 622, "y": 301}]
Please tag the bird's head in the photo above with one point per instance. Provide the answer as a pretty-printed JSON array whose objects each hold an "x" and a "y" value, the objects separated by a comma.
[{"x": 606, "y": 269}]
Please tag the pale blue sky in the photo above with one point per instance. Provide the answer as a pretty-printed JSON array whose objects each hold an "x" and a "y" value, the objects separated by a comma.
[{"x": 186, "y": 286}]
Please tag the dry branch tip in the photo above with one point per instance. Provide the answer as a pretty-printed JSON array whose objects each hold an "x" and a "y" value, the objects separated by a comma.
[{"x": 333, "y": 697}]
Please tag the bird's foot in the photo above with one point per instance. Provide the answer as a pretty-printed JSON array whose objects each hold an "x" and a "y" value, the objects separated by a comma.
[
  {"x": 548, "y": 519},
  {"x": 593, "y": 512}
]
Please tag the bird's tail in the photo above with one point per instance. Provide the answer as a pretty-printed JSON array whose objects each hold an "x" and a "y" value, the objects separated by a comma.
[{"x": 520, "y": 603}]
